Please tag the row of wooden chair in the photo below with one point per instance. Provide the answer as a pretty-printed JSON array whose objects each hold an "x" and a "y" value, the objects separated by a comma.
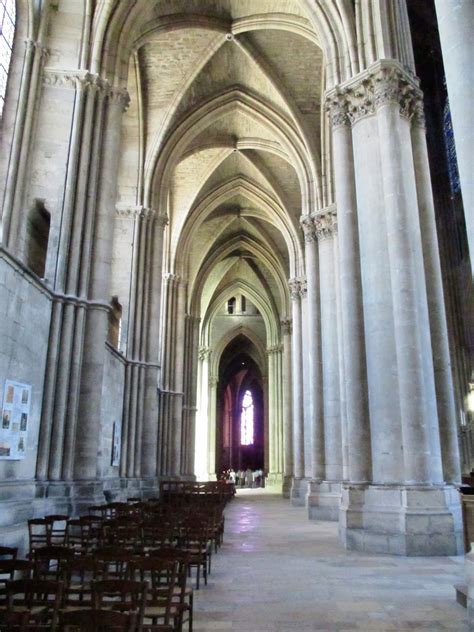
[{"x": 134, "y": 558}]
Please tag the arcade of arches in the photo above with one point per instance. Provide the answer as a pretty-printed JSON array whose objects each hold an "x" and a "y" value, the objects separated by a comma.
[{"x": 203, "y": 199}]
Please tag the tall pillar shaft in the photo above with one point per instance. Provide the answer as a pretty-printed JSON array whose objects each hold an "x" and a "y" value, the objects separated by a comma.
[
  {"x": 314, "y": 349},
  {"x": 437, "y": 315},
  {"x": 88, "y": 428},
  {"x": 456, "y": 25},
  {"x": 398, "y": 268},
  {"x": 326, "y": 227},
  {"x": 287, "y": 407},
  {"x": 421, "y": 447},
  {"x": 297, "y": 380},
  {"x": 351, "y": 307}
]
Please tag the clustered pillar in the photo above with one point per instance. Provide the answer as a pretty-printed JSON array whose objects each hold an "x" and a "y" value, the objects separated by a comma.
[
  {"x": 397, "y": 497},
  {"x": 297, "y": 488}
]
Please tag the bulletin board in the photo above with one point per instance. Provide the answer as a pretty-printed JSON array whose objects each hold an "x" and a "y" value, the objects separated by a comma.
[{"x": 15, "y": 420}]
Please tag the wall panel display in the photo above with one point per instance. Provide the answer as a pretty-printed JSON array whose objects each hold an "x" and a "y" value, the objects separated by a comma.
[
  {"x": 116, "y": 443},
  {"x": 15, "y": 420}
]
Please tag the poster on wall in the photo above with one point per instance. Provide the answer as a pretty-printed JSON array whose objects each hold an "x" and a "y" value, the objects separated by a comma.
[
  {"x": 116, "y": 443},
  {"x": 15, "y": 420}
]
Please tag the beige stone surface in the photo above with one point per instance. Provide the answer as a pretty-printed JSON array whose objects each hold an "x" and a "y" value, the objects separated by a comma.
[{"x": 277, "y": 572}]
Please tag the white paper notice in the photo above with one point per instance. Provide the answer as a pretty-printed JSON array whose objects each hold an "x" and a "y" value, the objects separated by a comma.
[{"x": 15, "y": 420}]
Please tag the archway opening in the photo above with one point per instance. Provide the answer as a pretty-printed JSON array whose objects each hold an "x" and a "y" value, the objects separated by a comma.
[{"x": 240, "y": 432}]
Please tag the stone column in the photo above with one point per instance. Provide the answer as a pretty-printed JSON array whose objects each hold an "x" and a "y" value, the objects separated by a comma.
[
  {"x": 407, "y": 509},
  {"x": 325, "y": 501},
  {"x": 421, "y": 448},
  {"x": 149, "y": 444},
  {"x": 351, "y": 309},
  {"x": 456, "y": 26},
  {"x": 434, "y": 285},
  {"x": 271, "y": 408},
  {"x": 275, "y": 413},
  {"x": 201, "y": 464},
  {"x": 307, "y": 386},
  {"x": 172, "y": 355},
  {"x": 287, "y": 409},
  {"x": 297, "y": 393},
  {"x": 88, "y": 427},
  {"x": 212, "y": 415}
]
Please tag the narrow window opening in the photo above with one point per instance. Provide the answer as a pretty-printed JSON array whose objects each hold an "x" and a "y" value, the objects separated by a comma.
[
  {"x": 7, "y": 34},
  {"x": 115, "y": 323},
  {"x": 243, "y": 304},
  {"x": 231, "y": 305},
  {"x": 39, "y": 223},
  {"x": 247, "y": 420}
]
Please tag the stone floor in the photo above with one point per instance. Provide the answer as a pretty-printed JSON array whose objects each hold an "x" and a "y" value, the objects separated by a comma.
[{"x": 279, "y": 572}]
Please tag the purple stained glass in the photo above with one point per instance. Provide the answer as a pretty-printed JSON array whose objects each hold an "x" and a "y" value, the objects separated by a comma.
[
  {"x": 246, "y": 419},
  {"x": 7, "y": 32}
]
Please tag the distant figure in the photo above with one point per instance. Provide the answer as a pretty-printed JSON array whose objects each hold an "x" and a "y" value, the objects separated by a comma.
[
  {"x": 249, "y": 477},
  {"x": 232, "y": 476}
]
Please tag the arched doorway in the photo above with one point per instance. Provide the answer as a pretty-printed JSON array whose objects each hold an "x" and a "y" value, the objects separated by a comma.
[{"x": 241, "y": 432}]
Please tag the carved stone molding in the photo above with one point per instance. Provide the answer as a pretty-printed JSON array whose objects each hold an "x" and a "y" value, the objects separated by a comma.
[
  {"x": 275, "y": 349},
  {"x": 74, "y": 79},
  {"x": 325, "y": 222},
  {"x": 307, "y": 224},
  {"x": 204, "y": 353},
  {"x": 294, "y": 285},
  {"x": 213, "y": 381},
  {"x": 384, "y": 82},
  {"x": 135, "y": 212},
  {"x": 303, "y": 288},
  {"x": 31, "y": 44},
  {"x": 171, "y": 278},
  {"x": 286, "y": 326},
  {"x": 84, "y": 80},
  {"x": 119, "y": 97}
]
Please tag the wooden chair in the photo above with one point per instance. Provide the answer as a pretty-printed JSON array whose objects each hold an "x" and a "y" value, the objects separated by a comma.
[
  {"x": 40, "y": 599},
  {"x": 11, "y": 570},
  {"x": 58, "y": 529},
  {"x": 183, "y": 595},
  {"x": 13, "y": 621},
  {"x": 112, "y": 562},
  {"x": 79, "y": 574},
  {"x": 121, "y": 595},
  {"x": 195, "y": 541},
  {"x": 39, "y": 531},
  {"x": 90, "y": 620},
  {"x": 49, "y": 562},
  {"x": 160, "y": 611},
  {"x": 8, "y": 552}
]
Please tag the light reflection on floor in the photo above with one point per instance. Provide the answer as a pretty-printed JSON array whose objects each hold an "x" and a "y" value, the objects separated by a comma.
[{"x": 279, "y": 572}]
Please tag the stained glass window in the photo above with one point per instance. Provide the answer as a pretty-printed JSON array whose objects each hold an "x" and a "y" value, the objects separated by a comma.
[
  {"x": 246, "y": 419},
  {"x": 7, "y": 31}
]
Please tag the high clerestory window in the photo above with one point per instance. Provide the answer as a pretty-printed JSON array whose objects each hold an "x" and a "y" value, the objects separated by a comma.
[
  {"x": 7, "y": 32},
  {"x": 246, "y": 419}
]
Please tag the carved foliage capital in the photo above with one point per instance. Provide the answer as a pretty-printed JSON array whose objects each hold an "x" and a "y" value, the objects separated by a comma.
[
  {"x": 303, "y": 288},
  {"x": 325, "y": 222},
  {"x": 286, "y": 326},
  {"x": 295, "y": 286},
  {"x": 204, "y": 353},
  {"x": 307, "y": 224},
  {"x": 338, "y": 109},
  {"x": 384, "y": 82}
]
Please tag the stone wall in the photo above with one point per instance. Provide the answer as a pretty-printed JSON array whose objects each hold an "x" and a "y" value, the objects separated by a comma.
[
  {"x": 112, "y": 408},
  {"x": 25, "y": 310}
]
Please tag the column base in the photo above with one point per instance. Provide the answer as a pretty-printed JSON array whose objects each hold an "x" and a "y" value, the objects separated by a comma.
[
  {"x": 469, "y": 566},
  {"x": 298, "y": 491},
  {"x": 274, "y": 481},
  {"x": 287, "y": 484},
  {"x": 401, "y": 520},
  {"x": 323, "y": 500}
]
